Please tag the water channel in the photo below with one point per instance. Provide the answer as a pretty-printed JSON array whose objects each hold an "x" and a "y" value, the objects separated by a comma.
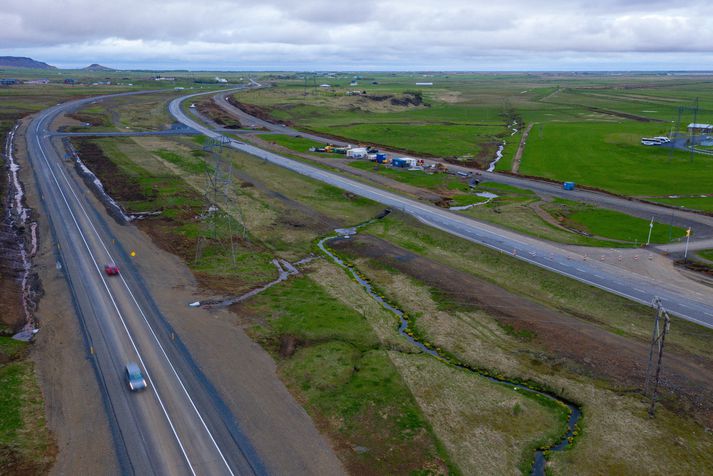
[{"x": 538, "y": 468}]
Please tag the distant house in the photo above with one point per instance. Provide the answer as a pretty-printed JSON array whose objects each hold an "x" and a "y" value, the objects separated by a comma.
[
  {"x": 9, "y": 81},
  {"x": 38, "y": 81},
  {"x": 164, "y": 78},
  {"x": 698, "y": 128},
  {"x": 220, "y": 80},
  {"x": 325, "y": 86},
  {"x": 424, "y": 84},
  {"x": 69, "y": 81}
]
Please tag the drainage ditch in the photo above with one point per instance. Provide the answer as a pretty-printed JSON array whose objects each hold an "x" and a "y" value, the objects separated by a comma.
[{"x": 574, "y": 412}]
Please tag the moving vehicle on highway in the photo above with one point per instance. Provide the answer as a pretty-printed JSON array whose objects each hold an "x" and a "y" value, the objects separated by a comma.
[
  {"x": 111, "y": 269},
  {"x": 135, "y": 378}
]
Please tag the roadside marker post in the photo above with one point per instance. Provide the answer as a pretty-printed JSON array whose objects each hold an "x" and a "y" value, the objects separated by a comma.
[
  {"x": 651, "y": 228},
  {"x": 688, "y": 238}
]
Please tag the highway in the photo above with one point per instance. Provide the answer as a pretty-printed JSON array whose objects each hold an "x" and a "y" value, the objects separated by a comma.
[
  {"x": 179, "y": 424},
  {"x": 695, "y": 304},
  {"x": 702, "y": 225}
]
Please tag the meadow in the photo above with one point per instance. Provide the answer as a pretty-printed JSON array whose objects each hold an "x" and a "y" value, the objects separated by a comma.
[{"x": 585, "y": 127}]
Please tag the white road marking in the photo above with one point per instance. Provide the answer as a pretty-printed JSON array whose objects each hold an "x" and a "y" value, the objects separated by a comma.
[{"x": 139, "y": 309}]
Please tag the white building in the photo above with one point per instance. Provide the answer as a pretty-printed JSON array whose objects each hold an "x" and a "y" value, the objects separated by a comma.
[
  {"x": 700, "y": 128},
  {"x": 357, "y": 153}
]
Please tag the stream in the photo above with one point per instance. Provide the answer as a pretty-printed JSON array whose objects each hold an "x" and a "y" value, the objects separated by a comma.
[
  {"x": 501, "y": 147},
  {"x": 538, "y": 468},
  {"x": 18, "y": 216}
]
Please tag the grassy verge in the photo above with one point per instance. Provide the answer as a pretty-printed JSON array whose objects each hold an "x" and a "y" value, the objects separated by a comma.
[
  {"x": 518, "y": 210},
  {"x": 707, "y": 254},
  {"x": 616, "y": 435},
  {"x": 611, "y": 224},
  {"x": 612, "y": 312},
  {"x": 704, "y": 204},
  {"x": 298, "y": 144},
  {"x": 439, "y": 181},
  {"x": 331, "y": 358},
  {"x": 601, "y": 155},
  {"x": 26, "y": 446}
]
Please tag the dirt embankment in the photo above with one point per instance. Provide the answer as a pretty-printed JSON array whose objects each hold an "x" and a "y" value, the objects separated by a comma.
[
  {"x": 218, "y": 115},
  {"x": 117, "y": 184},
  {"x": 256, "y": 111},
  {"x": 584, "y": 346},
  {"x": 624, "y": 115}
]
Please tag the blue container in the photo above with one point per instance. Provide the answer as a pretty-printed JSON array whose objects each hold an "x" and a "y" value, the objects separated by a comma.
[
  {"x": 399, "y": 162},
  {"x": 568, "y": 185},
  {"x": 380, "y": 158}
]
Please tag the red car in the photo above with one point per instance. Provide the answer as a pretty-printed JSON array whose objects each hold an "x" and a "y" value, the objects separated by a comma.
[{"x": 111, "y": 269}]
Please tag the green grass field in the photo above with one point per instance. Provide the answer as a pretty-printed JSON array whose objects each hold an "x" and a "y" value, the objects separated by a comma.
[
  {"x": 345, "y": 377},
  {"x": 695, "y": 203},
  {"x": 586, "y": 128},
  {"x": 299, "y": 144},
  {"x": 611, "y": 224},
  {"x": 602, "y": 155},
  {"x": 416, "y": 178}
]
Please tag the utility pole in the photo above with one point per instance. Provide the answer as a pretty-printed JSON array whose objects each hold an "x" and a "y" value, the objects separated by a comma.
[
  {"x": 658, "y": 339},
  {"x": 695, "y": 121}
]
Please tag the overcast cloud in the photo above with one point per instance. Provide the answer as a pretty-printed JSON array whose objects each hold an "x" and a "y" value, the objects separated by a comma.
[{"x": 365, "y": 34}]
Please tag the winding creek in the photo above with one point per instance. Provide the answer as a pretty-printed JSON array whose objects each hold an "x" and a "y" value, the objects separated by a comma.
[
  {"x": 501, "y": 147},
  {"x": 538, "y": 468}
]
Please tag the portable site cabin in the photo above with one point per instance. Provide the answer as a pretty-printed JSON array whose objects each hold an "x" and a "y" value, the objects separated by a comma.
[
  {"x": 404, "y": 162},
  {"x": 357, "y": 153},
  {"x": 568, "y": 185}
]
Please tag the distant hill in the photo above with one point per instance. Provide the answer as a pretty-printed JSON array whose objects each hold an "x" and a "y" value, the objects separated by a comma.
[
  {"x": 22, "y": 62},
  {"x": 97, "y": 67}
]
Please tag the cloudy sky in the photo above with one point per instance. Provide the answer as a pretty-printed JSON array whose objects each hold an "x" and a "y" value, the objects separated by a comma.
[{"x": 362, "y": 34}]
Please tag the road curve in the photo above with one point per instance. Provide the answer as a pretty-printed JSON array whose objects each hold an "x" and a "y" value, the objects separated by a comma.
[
  {"x": 693, "y": 305},
  {"x": 179, "y": 425}
]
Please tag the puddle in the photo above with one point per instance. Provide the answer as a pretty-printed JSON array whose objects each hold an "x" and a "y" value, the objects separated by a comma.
[{"x": 538, "y": 468}]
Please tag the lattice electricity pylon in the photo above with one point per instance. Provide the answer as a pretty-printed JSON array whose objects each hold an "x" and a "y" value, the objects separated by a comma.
[
  {"x": 216, "y": 142},
  {"x": 219, "y": 183},
  {"x": 676, "y": 130}
]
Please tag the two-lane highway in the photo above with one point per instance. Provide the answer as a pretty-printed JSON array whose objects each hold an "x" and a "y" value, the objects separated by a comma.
[
  {"x": 178, "y": 425},
  {"x": 695, "y": 304}
]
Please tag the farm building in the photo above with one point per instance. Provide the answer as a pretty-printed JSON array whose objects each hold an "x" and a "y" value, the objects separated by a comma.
[{"x": 697, "y": 128}]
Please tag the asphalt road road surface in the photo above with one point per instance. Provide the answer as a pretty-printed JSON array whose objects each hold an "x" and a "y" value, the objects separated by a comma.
[
  {"x": 702, "y": 225},
  {"x": 179, "y": 424},
  {"x": 695, "y": 306}
]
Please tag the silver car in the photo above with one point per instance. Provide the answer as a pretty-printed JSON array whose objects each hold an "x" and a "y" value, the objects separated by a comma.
[{"x": 133, "y": 374}]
